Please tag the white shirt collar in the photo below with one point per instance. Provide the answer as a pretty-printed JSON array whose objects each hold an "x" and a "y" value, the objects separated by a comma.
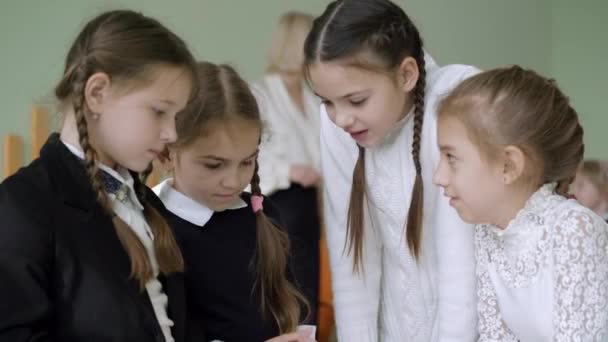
[
  {"x": 184, "y": 206},
  {"x": 121, "y": 174}
]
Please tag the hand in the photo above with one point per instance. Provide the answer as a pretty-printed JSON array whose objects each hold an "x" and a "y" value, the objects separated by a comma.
[
  {"x": 293, "y": 337},
  {"x": 304, "y": 175}
]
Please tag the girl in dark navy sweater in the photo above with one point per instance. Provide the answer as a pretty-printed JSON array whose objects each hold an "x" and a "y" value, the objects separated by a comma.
[{"x": 236, "y": 257}]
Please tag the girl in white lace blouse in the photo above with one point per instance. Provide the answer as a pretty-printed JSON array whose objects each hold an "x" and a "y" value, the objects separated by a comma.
[{"x": 510, "y": 146}]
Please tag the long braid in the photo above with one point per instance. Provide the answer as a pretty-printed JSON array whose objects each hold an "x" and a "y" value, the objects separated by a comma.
[
  {"x": 141, "y": 269},
  {"x": 278, "y": 296},
  {"x": 124, "y": 45},
  {"x": 354, "y": 228},
  {"x": 90, "y": 155},
  {"x": 168, "y": 255},
  {"x": 415, "y": 212}
]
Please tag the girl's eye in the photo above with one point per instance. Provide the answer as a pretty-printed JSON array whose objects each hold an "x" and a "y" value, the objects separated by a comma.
[
  {"x": 159, "y": 112},
  {"x": 357, "y": 102},
  {"x": 212, "y": 166},
  {"x": 248, "y": 162}
]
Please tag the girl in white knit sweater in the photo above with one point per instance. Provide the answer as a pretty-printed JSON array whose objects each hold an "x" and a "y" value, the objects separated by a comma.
[{"x": 402, "y": 261}]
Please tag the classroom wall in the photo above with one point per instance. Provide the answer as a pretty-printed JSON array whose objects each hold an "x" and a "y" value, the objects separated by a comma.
[
  {"x": 579, "y": 53},
  {"x": 35, "y": 36}
]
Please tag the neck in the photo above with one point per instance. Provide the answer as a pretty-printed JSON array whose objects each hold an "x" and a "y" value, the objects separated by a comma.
[
  {"x": 69, "y": 134},
  {"x": 177, "y": 184},
  {"x": 408, "y": 106},
  {"x": 511, "y": 206}
]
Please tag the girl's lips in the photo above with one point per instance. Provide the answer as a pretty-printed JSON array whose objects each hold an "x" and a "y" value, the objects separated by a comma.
[{"x": 358, "y": 135}]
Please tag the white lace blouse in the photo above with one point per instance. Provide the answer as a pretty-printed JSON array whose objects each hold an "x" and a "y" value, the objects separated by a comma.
[{"x": 544, "y": 277}]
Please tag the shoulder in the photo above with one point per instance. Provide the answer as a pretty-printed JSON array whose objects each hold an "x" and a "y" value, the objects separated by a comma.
[
  {"x": 27, "y": 206},
  {"x": 573, "y": 221},
  {"x": 262, "y": 87},
  {"x": 270, "y": 210},
  {"x": 441, "y": 80},
  {"x": 28, "y": 190}
]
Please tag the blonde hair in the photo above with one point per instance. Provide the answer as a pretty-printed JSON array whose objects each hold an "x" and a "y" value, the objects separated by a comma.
[
  {"x": 286, "y": 52},
  {"x": 515, "y": 106}
]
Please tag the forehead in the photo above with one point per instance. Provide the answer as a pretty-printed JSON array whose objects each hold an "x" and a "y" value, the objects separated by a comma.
[
  {"x": 335, "y": 79},
  {"x": 164, "y": 82},
  {"x": 450, "y": 128},
  {"x": 230, "y": 139},
  {"x": 453, "y": 135}
]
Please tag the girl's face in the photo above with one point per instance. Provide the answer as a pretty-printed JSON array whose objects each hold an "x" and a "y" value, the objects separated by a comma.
[
  {"x": 587, "y": 193},
  {"x": 133, "y": 126},
  {"x": 217, "y": 167},
  {"x": 365, "y": 104},
  {"x": 473, "y": 185}
]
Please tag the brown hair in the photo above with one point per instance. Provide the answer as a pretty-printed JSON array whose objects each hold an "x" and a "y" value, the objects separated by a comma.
[
  {"x": 518, "y": 107},
  {"x": 354, "y": 31},
  {"x": 596, "y": 174},
  {"x": 225, "y": 96},
  {"x": 126, "y": 46}
]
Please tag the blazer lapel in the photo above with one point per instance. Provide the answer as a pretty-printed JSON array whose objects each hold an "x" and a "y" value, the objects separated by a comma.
[{"x": 95, "y": 229}]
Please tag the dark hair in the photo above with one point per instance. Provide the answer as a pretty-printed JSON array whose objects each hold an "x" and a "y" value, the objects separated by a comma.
[
  {"x": 125, "y": 45},
  {"x": 225, "y": 96},
  {"x": 497, "y": 108},
  {"x": 376, "y": 35}
]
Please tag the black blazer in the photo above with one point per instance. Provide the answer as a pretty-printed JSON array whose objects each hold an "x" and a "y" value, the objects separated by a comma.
[{"x": 64, "y": 275}]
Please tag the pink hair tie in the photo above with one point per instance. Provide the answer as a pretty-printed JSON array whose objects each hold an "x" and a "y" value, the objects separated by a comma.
[{"x": 256, "y": 203}]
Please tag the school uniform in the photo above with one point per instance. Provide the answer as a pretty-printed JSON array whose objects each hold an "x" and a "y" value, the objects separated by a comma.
[
  {"x": 218, "y": 250},
  {"x": 292, "y": 138},
  {"x": 64, "y": 274}
]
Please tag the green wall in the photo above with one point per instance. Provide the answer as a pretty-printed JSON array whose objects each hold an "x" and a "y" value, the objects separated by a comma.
[
  {"x": 580, "y": 51},
  {"x": 541, "y": 34}
]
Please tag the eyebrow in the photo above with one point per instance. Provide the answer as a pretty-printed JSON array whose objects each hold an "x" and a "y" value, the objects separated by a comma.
[
  {"x": 446, "y": 148},
  {"x": 211, "y": 156},
  {"x": 346, "y": 95},
  {"x": 168, "y": 102}
]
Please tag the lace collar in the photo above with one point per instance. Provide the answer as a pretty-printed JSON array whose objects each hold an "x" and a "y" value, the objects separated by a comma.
[{"x": 531, "y": 214}]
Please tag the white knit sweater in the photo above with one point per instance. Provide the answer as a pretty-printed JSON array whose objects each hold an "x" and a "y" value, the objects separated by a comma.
[{"x": 398, "y": 299}]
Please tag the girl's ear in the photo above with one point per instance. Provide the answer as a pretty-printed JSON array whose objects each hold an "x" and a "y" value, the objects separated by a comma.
[
  {"x": 408, "y": 74},
  {"x": 514, "y": 164},
  {"x": 96, "y": 92}
]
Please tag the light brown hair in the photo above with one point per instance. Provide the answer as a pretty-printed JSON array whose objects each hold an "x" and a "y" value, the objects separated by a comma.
[
  {"x": 518, "y": 107},
  {"x": 125, "y": 45}
]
